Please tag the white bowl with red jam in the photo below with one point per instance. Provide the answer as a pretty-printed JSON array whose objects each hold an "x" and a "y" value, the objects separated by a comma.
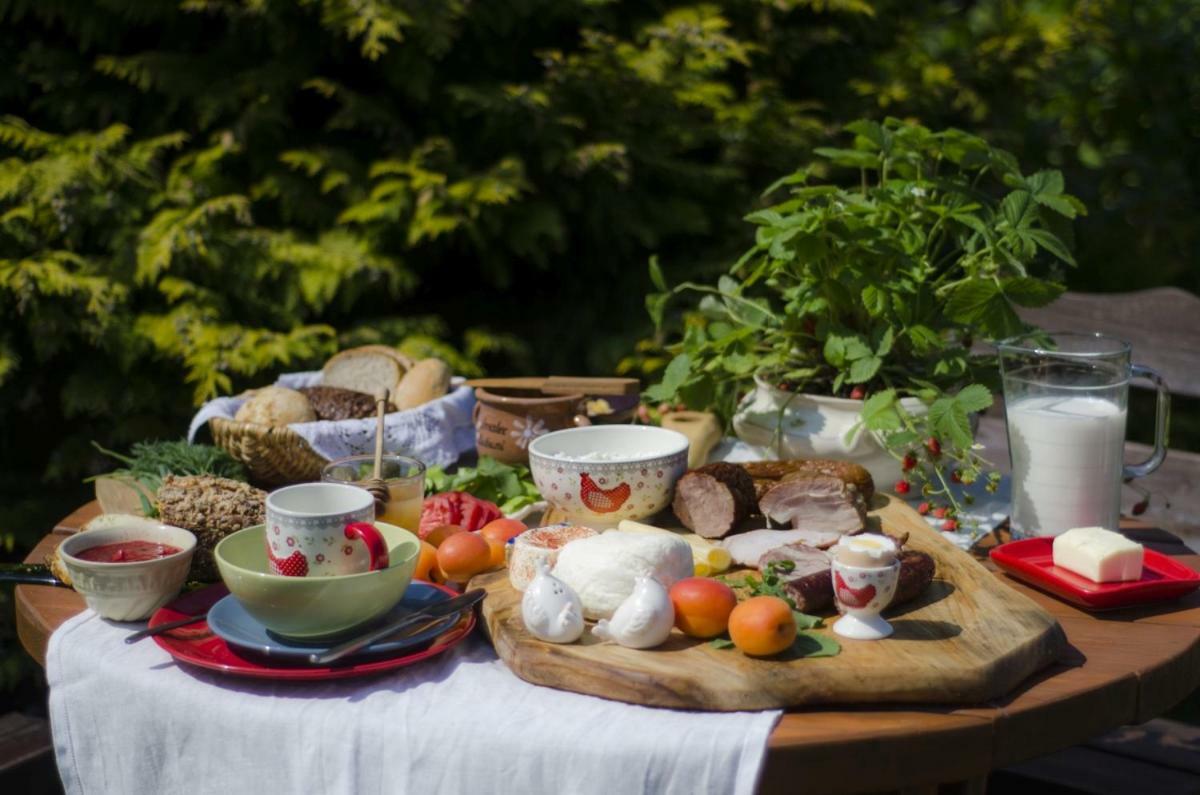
[{"x": 126, "y": 567}]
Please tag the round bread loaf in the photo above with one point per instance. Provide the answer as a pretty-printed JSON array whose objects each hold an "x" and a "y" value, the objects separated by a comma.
[{"x": 275, "y": 405}]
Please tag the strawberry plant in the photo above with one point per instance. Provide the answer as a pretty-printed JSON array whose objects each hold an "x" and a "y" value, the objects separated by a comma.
[{"x": 877, "y": 287}]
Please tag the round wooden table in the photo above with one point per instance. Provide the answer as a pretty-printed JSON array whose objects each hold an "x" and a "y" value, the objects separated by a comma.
[{"x": 1119, "y": 668}]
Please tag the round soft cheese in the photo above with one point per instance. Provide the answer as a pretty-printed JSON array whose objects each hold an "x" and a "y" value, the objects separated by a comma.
[
  {"x": 541, "y": 545},
  {"x": 602, "y": 569}
]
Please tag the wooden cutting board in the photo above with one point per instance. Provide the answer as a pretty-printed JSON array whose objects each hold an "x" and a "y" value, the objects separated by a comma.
[{"x": 968, "y": 639}]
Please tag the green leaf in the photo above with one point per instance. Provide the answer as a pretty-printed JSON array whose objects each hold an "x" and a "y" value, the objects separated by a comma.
[
  {"x": 835, "y": 350},
  {"x": 1017, "y": 209},
  {"x": 805, "y": 621},
  {"x": 923, "y": 339},
  {"x": 656, "y": 304},
  {"x": 852, "y": 158},
  {"x": 1043, "y": 182},
  {"x": 886, "y": 340},
  {"x": 974, "y": 397},
  {"x": 739, "y": 363},
  {"x": 656, "y": 275},
  {"x": 878, "y": 404},
  {"x": 949, "y": 421},
  {"x": 1050, "y": 242},
  {"x": 874, "y": 300},
  {"x": 721, "y": 643},
  {"x": 677, "y": 372},
  {"x": 814, "y": 644},
  {"x": 981, "y": 303},
  {"x": 1029, "y": 291},
  {"x": 863, "y": 370}
]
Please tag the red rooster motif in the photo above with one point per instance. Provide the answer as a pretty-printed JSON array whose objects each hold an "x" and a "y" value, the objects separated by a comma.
[
  {"x": 602, "y": 500},
  {"x": 852, "y": 597}
]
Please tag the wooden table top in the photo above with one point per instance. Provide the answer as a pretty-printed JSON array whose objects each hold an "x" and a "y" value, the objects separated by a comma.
[{"x": 1120, "y": 667}]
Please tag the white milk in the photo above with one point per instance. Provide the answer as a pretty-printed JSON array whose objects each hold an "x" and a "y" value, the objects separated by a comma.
[{"x": 1066, "y": 457}]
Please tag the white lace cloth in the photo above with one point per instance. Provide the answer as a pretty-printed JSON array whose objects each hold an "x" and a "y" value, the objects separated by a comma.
[
  {"x": 437, "y": 433},
  {"x": 127, "y": 719}
]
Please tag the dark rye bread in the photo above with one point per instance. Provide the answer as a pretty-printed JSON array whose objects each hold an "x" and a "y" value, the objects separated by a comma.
[
  {"x": 713, "y": 499},
  {"x": 767, "y": 473},
  {"x": 335, "y": 403}
]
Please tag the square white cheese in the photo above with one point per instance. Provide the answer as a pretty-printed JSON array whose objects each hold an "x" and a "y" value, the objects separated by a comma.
[{"x": 1099, "y": 555}]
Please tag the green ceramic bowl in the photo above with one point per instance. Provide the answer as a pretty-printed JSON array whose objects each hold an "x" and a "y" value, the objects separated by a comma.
[{"x": 314, "y": 607}]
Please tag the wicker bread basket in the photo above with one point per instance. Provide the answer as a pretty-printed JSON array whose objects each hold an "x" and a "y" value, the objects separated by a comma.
[{"x": 273, "y": 456}]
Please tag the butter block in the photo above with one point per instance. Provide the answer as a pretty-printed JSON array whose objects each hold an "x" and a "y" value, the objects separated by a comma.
[{"x": 1099, "y": 555}]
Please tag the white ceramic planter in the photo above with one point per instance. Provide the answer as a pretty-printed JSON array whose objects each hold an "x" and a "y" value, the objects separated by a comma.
[{"x": 792, "y": 425}]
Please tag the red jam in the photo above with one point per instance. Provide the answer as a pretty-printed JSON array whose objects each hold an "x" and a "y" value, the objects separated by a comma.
[{"x": 126, "y": 552}]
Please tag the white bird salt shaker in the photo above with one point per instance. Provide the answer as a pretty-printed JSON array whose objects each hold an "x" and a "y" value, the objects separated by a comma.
[
  {"x": 643, "y": 620},
  {"x": 551, "y": 609}
]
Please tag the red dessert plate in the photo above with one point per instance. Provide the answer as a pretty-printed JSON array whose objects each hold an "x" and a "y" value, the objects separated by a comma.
[
  {"x": 1032, "y": 560},
  {"x": 195, "y": 644}
]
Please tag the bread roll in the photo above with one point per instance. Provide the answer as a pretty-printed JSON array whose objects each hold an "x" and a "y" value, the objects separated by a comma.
[
  {"x": 427, "y": 380},
  {"x": 365, "y": 369},
  {"x": 275, "y": 405}
]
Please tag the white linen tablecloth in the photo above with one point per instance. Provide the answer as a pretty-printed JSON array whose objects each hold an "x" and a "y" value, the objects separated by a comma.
[{"x": 128, "y": 719}]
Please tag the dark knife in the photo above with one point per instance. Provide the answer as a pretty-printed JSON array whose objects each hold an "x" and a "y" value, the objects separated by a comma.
[
  {"x": 446, "y": 608},
  {"x": 29, "y": 574}
]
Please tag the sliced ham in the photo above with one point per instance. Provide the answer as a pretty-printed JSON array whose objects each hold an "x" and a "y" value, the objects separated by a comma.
[
  {"x": 713, "y": 499},
  {"x": 815, "y": 502},
  {"x": 747, "y": 548},
  {"x": 809, "y": 582}
]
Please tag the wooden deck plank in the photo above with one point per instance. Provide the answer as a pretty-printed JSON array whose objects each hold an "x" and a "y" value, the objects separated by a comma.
[
  {"x": 1091, "y": 770},
  {"x": 1162, "y": 325}
]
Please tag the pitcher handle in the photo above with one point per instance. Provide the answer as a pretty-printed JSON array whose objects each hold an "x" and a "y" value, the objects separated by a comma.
[{"x": 1162, "y": 422}]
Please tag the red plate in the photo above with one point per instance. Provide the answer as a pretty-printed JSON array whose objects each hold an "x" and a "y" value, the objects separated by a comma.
[
  {"x": 1032, "y": 560},
  {"x": 196, "y": 645}
]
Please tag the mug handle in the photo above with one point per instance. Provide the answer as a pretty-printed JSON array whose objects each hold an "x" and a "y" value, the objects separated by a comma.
[
  {"x": 475, "y": 413},
  {"x": 376, "y": 546},
  {"x": 1162, "y": 422}
]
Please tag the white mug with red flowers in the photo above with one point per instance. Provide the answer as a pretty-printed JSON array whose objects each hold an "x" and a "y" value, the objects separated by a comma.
[
  {"x": 861, "y": 594},
  {"x": 323, "y": 530}
]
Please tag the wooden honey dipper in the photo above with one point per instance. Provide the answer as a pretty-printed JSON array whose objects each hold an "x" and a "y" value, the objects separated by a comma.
[{"x": 376, "y": 484}]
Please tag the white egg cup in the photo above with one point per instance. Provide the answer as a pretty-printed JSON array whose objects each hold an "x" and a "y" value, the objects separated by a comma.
[{"x": 861, "y": 594}]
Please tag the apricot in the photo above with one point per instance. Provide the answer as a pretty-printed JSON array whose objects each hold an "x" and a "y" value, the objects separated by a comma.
[
  {"x": 463, "y": 555},
  {"x": 425, "y": 561},
  {"x": 702, "y": 606},
  {"x": 497, "y": 549},
  {"x": 440, "y": 533},
  {"x": 762, "y": 626},
  {"x": 501, "y": 530}
]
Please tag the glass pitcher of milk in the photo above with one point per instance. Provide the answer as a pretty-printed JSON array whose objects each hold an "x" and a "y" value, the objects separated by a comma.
[{"x": 1065, "y": 398}]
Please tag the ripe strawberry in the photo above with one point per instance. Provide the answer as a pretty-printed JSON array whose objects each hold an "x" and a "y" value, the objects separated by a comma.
[
  {"x": 933, "y": 446},
  {"x": 902, "y": 487},
  {"x": 955, "y": 477},
  {"x": 909, "y": 462},
  {"x": 858, "y": 393},
  {"x": 923, "y": 508},
  {"x": 1140, "y": 508},
  {"x": 939, "y": 513},
  {"x": 949, "y": 525}
]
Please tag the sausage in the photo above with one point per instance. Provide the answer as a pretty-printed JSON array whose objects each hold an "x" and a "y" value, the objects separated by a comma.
[
  {"x": 766, "y": 473},
  {"x": 713, "y": 499}
]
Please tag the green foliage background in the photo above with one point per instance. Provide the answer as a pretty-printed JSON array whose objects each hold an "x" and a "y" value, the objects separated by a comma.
[{"x": 197, "y": 194}]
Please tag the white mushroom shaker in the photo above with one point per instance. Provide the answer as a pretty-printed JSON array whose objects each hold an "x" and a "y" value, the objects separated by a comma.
[
  {"x": 643, "y": 620},
  {"x": 551, "y": 610}
]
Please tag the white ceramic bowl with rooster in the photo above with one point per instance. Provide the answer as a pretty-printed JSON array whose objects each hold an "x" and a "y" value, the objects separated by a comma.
[{"x": 602, "y": 474}]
